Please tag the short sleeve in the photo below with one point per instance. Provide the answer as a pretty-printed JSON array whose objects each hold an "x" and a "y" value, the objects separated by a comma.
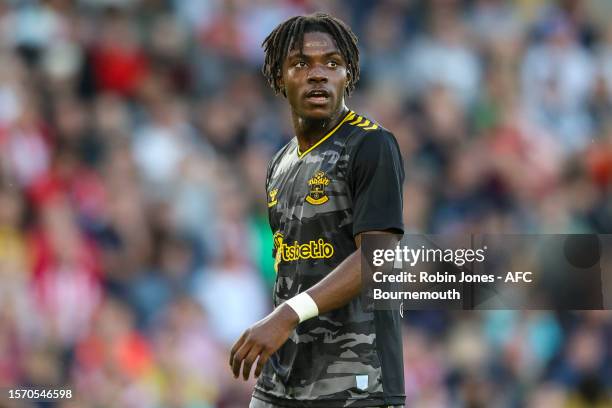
[{"x": 376, "y": 180}]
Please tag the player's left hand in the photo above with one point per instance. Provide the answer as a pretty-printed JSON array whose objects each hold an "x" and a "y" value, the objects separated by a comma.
[{"x": 261, "y": 340}]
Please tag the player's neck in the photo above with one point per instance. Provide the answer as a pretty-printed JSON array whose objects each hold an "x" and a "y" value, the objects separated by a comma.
[{"x": 310, "y": 131}]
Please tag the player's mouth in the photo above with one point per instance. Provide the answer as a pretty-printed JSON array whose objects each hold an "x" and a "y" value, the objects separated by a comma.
[{"x": 318, "y": 96}]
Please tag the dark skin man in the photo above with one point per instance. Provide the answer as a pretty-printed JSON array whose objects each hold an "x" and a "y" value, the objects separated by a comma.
[{"x": 314, "y": 83}]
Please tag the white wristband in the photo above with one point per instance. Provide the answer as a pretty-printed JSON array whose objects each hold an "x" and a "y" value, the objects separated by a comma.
[{"x": 304, "y": 306}]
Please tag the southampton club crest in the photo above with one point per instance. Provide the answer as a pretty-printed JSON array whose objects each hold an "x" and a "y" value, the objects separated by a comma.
[{"x": 317, "y": 185}]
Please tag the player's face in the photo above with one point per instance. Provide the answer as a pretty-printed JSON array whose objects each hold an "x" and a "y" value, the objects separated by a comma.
[{"x": 315, "y": 79}]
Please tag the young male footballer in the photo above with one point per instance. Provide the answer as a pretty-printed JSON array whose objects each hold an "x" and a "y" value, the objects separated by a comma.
[{"x": 340, "y": 177}]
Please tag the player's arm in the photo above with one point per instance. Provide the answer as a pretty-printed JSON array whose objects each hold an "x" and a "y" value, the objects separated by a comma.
[{"x": 267, "y": 335}]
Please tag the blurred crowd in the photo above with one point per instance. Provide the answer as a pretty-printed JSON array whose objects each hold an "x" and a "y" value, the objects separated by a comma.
[{"x": 134, "y": 139}]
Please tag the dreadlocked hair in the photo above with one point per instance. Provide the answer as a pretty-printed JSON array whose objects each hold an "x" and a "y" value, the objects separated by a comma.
[{"x": 291, "y": 33}]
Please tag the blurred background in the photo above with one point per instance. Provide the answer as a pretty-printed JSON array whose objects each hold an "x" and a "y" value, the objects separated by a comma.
[{"x": 134, "y": 139}]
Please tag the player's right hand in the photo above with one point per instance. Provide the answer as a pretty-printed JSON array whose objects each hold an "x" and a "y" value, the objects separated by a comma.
[{"x": 261, "y": 340}]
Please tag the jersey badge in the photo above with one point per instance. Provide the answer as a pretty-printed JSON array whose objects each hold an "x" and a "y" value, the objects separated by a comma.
[{"x": 317, "y": 185}]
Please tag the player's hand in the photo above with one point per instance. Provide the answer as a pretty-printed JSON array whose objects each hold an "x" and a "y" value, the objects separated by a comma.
[{"x": 261, "y": 340}]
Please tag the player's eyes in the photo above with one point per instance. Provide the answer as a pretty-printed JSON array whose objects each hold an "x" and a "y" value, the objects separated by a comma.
[
  {"x": 332, "y": 64},
  {"x": 300, "y": 64}
]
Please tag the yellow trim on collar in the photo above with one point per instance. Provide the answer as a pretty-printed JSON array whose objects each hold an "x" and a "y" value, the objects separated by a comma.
[{"x": 350, "y": 115}]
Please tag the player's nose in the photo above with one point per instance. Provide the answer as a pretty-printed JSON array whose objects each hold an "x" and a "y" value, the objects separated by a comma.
[{"x": 317, "y": 74}]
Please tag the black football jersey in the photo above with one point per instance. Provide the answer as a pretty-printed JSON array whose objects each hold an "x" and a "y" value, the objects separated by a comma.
[{"x": 349, "y": 182}]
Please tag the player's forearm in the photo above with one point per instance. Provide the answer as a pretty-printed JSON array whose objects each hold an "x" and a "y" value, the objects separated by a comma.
[{"x": 340, "y": 286}]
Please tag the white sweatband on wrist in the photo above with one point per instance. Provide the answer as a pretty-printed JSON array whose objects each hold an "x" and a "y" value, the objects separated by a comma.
[{"x": 304, "y": 306}]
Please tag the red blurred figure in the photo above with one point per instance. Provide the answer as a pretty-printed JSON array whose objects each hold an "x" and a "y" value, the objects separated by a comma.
[
  {"x": 118, "y": 61},
  {"x": 67, "y": 272}
]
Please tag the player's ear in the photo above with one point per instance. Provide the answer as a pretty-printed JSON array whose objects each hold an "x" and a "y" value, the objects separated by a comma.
[{"x": 348, "y": 80}]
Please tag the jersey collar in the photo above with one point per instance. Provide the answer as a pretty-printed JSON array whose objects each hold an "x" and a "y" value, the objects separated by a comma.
[{"x": 350, "y": 115}]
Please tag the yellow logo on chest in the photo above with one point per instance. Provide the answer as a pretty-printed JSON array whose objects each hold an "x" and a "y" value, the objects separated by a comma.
[
  {"x": 313, "y": 249},
  {"x": 317, "y": 185}
]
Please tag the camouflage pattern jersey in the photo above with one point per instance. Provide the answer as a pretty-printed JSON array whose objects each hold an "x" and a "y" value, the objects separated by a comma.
[{"x": 319, "y": 200}]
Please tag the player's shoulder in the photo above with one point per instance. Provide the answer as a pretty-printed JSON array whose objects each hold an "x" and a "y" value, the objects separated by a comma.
[
  {"x": 276, "y": 157},
  {"x": 291, "y": 144},
  {"x": 365, "y": 132}
]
